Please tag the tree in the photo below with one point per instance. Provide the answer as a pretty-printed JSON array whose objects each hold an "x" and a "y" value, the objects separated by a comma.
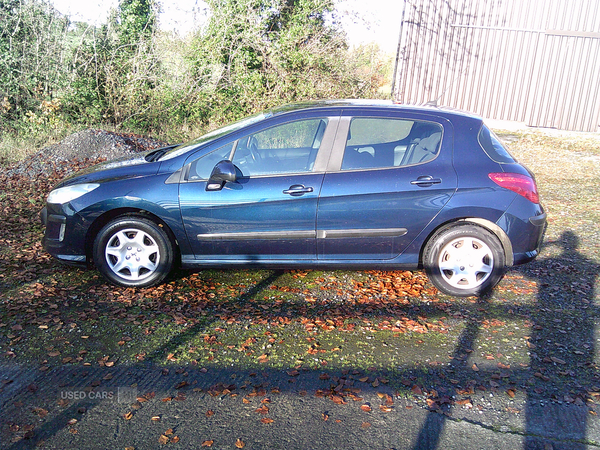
[
  {"x": 136, "y": 21},
  {"x": 32, "y": 35},
  {"x": 257, "y": 53}
]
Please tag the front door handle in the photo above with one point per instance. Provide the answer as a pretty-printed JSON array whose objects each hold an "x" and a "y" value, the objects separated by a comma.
[
  {"x": 426, "y": 181},
  {"x": 298, "y": 189}
]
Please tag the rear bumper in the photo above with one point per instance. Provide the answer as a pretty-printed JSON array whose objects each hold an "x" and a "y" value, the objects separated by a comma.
[{"x": 525, "y": 225}]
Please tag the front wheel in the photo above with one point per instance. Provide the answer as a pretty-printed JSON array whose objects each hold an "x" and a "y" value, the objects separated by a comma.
[
  {"x": 133, "y": 252},
  {"x": 464, "y": 260}
]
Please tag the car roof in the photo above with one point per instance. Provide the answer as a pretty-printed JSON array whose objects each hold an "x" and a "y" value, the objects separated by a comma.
[{"x": 368, "y": 103}]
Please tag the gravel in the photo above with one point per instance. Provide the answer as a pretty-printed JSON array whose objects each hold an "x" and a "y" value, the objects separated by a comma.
[{"x": 83, "y": 146}]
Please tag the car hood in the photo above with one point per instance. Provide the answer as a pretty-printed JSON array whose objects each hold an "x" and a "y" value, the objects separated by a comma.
[{"x": 126, "y": 167}]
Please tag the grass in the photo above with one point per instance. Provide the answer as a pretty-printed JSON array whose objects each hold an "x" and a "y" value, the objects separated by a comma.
[{"x": 535, "y": 333}]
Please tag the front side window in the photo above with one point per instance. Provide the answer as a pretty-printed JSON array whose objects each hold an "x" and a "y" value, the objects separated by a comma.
[
  {"x": 288, "y": 148},
  {"x": 383, "y": 142},
  {"x": 201, "y": 168}
]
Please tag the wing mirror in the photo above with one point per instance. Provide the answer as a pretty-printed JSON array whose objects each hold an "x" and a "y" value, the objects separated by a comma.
[{"x": 225, "y": 171}]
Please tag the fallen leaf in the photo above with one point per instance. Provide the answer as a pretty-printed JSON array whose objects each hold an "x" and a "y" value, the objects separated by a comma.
[
  {"x": 208, "y": 443},
  {"x": 239, "y": 443},
  {"x": 163, "y": 439},
  {"x": 262, "y": 410},
  {"x": 338, "y": 400},
  {"x": 41, "y": 412},
  {"x": 266, "y": 420},
  {"x": 366, "y": 408}
]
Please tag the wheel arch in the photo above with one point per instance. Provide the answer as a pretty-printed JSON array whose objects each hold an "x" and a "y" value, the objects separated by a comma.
[
  {"x": 484, "y": 223},
  {"x": 113, "y": 214}
]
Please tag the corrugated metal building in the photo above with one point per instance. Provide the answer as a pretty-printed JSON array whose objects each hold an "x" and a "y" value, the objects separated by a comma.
[{"x": 532, "y": 61}]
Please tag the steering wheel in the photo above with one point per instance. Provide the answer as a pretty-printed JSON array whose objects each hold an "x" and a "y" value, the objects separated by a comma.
[{"x": 253, "y": 148}]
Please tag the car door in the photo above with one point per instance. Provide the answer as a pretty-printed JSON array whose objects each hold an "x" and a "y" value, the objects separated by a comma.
[
  {"x": 269, "y": 213},
  {"x": 388, "y": 178}
]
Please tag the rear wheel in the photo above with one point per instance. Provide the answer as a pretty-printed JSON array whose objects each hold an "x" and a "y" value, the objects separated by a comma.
[
  {"x": 464, "y": 260},
  {"x": 133, "y": 252}
]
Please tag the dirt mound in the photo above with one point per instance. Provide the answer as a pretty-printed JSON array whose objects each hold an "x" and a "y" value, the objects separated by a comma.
[{"x": 79, "y": 148}]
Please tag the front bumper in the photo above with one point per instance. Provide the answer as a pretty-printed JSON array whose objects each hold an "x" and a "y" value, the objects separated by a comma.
[{"x": 59, "y": 239}]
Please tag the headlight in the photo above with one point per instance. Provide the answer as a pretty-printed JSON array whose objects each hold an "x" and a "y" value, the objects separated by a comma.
[{"x": 69, "y": 193}]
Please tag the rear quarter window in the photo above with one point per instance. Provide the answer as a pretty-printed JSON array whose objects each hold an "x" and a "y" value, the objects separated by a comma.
[{"x": 493, "y": 147}]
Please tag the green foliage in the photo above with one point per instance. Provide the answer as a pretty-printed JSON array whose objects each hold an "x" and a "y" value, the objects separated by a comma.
[
  {"x": 254, "y": 54},
  {"x": 251, "y": 55},
  {"x": 31, "y": 51},
  {"x": 137, "y": 21}
]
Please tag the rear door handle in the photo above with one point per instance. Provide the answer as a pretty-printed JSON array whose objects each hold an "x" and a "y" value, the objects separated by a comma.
[
  {"x": 426, "y": 181},
  {"x": 298, "y": 189}
]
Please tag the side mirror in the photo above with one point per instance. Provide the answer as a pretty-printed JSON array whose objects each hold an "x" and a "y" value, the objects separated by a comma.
[{"x": 225, "y": 171}]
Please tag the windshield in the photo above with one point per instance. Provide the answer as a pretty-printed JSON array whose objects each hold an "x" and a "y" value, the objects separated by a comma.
[{"x": 215, "y": 134}]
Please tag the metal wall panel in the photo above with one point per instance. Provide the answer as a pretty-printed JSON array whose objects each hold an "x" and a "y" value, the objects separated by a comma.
[{"x": 532, "y": 61}]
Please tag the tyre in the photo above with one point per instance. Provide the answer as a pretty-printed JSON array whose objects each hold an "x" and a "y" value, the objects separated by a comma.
[
  {"x": 464, "y": 260},
  {"x": 133, "y": 252}
]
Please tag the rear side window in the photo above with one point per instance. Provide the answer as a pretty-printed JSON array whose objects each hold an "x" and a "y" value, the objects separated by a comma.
[
  {"x": 493, "y": 147},
  {"x": 377, "y": 143}
]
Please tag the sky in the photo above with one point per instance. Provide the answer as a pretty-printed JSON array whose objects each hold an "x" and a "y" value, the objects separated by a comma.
[{"x": 365, "y": 21}]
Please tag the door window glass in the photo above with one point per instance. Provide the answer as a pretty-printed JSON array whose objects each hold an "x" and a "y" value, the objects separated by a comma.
[
  {"x": 201, "y": 168},
  {"x": 383, "y": 142},
  {"x": 288, "y": 148}
]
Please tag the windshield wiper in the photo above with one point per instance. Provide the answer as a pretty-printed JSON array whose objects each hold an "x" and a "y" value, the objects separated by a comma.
[{"x": 159, "y": 152}]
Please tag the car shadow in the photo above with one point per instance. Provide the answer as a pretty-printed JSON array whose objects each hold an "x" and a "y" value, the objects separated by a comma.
[{"x": 561, "y": 351}]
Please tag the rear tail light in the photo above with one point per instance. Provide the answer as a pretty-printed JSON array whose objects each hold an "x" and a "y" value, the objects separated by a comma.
[{"x": 516, "y": 182}]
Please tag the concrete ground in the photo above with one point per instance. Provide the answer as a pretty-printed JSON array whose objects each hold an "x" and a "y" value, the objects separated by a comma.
[{"x": 145, "y": 407}]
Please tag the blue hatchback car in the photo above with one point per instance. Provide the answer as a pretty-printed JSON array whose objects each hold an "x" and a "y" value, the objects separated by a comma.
[{"x": 329, "y": 184}]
